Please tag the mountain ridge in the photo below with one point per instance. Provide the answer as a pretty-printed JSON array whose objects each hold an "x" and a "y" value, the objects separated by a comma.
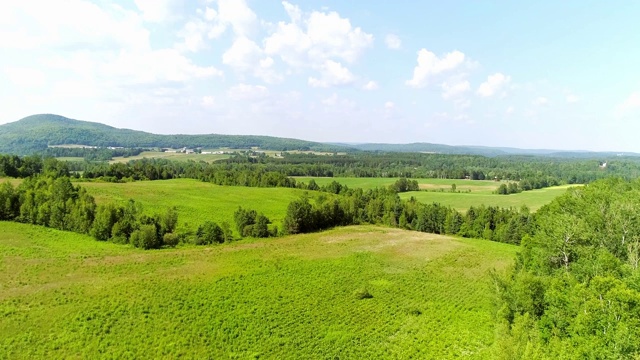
[{"x": 35, "y": 133}]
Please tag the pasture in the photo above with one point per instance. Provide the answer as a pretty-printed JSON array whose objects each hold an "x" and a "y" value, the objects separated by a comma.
[
  {"x": 198, "y": 201},
  {"x": 484, "y": 186},
  {"x": 171, "y": 156},
  {"x": 469, "y": 192},
  {"x": 64, "y": 295},
  {"x": 533, "y": 199}
]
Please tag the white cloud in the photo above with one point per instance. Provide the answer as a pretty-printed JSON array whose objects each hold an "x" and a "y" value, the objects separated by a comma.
[
  {"x": 630, "y": 104},
  {"x": 234, "y": 14},
  {"x": 454, "y": 88},
  {"x": 493, "y": 84},
  {"x": 247, "y": 57},
  {"x": 371, "y": 85},
  {"x": 389, "y": 105},
  {"x": 571, "y": 98},
  {"x": 430, "y": 65},
  {"x": 158, "y": 10},
  {"x": 49, "y": 25},
  {"x": 333, "y": 74},
  {"x": 393, "y": 41},
  {"x": 540, "y": 100},
  {"x": 510, "y": 110},
  {"x": 310, "y": 40},
  {"x": 156, "y": 66},
  {"x": 208, "y": 101}
]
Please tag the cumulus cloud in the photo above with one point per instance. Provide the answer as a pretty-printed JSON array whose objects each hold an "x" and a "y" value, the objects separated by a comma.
[
  {"x": 332, "y": 74},
  {"x": 393, "y": 41},
  {"x": 312, "y": 39},
  {"x": 371, "y": 85},
  {"x": 493, "y": 85},
  {"x": 158, "y": 10},
  {"x": 245, "y": 55},
  {"x": 429, "y": 65},
  {"x": 454, "y": 88},
  {"x": 234, "y": 14}
]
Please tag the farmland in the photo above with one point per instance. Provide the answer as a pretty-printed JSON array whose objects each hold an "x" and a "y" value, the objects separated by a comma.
[
  {"x": 533, "y": 199},
  {"x": 171, "y": 156},
  {"x": 485, "y": 186},
  {"x": 468, "y": 192},
  {"x": 289, "y": 297},
  {"x": 198, "y": 201}
]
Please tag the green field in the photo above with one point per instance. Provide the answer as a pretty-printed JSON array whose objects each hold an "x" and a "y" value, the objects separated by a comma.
[
  {"x": 533, "y": 199},
  {"x": 469, "y": 192},
  {"x": 198, "y": 201},
  {"x": 64, "y": 295},
  {"x": 171, "y": 156},
  {"x": 483, "y": 186}
]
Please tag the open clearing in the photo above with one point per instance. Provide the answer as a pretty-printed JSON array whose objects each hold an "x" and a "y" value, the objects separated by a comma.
[
  {"x": 484, "y": 186},
  {"x": 171, "y": 156},
  {"x": 534, "y": 199},
  {"x": 198, "y": 201},
  {"x": 481, "y": 192},
  {"x": 64, "y": 295}
]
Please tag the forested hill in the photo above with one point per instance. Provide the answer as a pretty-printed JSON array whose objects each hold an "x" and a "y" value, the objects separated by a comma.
[
  {"x": 480, "y": 150},
  {"x": 35, "y": 133}
]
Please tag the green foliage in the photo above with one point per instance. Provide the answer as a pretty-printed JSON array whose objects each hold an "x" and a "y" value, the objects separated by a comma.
[
  {"x": 575, "y": 283},
  {"x": 145, "y": 237},
  {"x": 209, "y": 233}
]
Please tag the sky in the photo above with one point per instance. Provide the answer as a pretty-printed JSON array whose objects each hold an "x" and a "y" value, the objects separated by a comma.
[{"x": 544, "y": 74}]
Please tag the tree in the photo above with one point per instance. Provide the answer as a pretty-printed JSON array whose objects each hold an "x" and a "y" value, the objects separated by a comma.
[
  {"x": 243, "y": 218},
  {"x": 146, "y": 237},
  {"x": 299, "y": 217},
  {"x": 209, "y": 233}
]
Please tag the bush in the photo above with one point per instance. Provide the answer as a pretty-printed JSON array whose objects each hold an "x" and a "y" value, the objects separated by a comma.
[
  {"x": 145, "y": 237},
  {"x": 209, "y": 233},
  {"x": 171, "y": 239},
  {"x": 362, "y": 293}
]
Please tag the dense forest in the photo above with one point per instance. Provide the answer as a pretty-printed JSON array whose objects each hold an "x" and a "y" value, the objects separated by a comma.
[{"x": 574, "y": 292}]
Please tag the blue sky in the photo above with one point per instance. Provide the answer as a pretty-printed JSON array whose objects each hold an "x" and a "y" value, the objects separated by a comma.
[{"x": 546, "y": 74}]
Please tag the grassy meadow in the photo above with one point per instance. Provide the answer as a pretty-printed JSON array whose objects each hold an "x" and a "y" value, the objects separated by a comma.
[
  {"x": 469, "y": 192},
  {"x": 533, "y": 199},
  {"x": 198, "y": 201},
  {"x": 171, "y": 156},
  {"x": 64, "y": 295},
  {"x": 483, "y": 186}
]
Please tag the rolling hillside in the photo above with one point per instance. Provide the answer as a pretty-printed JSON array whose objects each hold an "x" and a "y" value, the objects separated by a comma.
[
  {"x": 35, "y": 133},
  {"x": 65, "y": 295}
]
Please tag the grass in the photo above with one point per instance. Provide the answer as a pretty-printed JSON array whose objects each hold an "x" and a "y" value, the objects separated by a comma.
[
  {"x": 470, "y": 192},
  {"x": 198, "y": 201},
  {"x": 483, "y": 186},
  {"x": 534, "y": 199},
  {"x": 171, "y": 156},
  {"x": 64, "y": 295}
]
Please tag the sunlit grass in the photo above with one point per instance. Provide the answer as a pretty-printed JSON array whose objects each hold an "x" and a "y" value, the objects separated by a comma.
[{"x": 65, "y": 295}]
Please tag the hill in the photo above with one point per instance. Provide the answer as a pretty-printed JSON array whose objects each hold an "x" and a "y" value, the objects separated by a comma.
[
  {"x": 483, "y": 150},
  {"x": 64, "y": 295},
  {"x": 35, "y": 133}
]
